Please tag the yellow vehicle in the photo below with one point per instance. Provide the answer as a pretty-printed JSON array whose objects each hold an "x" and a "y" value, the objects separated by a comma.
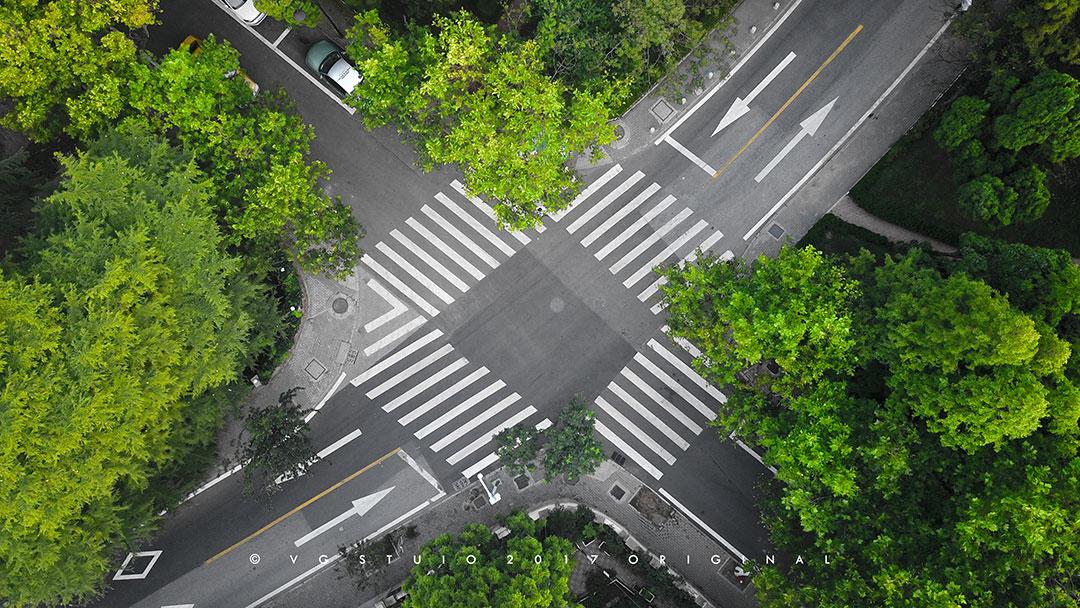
[{"x": 193, "y": 44}]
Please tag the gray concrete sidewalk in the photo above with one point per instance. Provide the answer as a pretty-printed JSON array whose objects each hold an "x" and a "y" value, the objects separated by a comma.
[{"x": 847, "y": 210}]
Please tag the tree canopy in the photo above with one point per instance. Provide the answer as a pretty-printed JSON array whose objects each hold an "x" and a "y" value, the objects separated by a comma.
[{"x": 571, "y": 447}]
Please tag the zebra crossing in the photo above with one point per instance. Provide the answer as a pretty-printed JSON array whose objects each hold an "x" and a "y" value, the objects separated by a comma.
[
  {"x": 450, "y": 405},
  {"x": 623, "y": 221}
]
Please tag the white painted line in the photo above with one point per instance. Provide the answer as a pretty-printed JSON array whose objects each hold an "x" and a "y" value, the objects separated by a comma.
[
  {"x": 588, "y": 191},
  {"x": 179, "y": 606},
  {"x": 430, "y": 261},
  {"x": 635, "y": 430},
  {"x": 426, "y": 384},
  {"x": 727, "y": 256},
  {"x": 398, "y": 356},
  {"x": 633, "y": 228},
  {"x": 475, "y": 225},
  {"x": 480, "y": 465},
  {"x": 750, "y": 451},
  {"x": 487, "y": 210},
  {"x": 650, "y": 240},
  {"x": 446, "y": 393},
  {"x": 543, "y": 425},
  {"x": 490, "y": 435},
  {"x": 690, "y": 257},
  {"x": 656, "y": 308},
  {"x": 461, "y": 238},
  {"x": 340, "y": 443},
  {"x": 420, "y": 471},
  {"x": 742, "y": 105},
  {"x": 694, "y": 158},
  {"x": 445, "y": 249},
  {"x": 626, "y": 449},
  {"x": 662, "y": 401},
  {"x": 703, "y": 525},
  {"x": 282, "y": 36},
  {"x": 663, "y": 255},
  {"x": 475, "y": 422},
  {"x": 414, "y": 273},
  {"x": 687, "y": 371},
  {"x": 688, "y": 347},
  {"x": 647, "y": 415},
  {"x": 839, "y": 144},
  {"x": 620, "y": 214},
  {"x": 402, "y": 287},
  {"x": 738, "y": 65},
  {"x": 360, "y": 508},
  {"x": 808, "y": 128},
  {"x": 604, "y": 202},
  {"x": 455, "y": 411},
  {"x": 394, "y": 336},
  {"x": 206, "y": 486},
  {"x": 120, "y": 576},
  {"x": 675, "y": 386},
  {"x": 326, "y": 397},
  {"x": 396, "y": 307},
  {"x": 396, "y": 379}
]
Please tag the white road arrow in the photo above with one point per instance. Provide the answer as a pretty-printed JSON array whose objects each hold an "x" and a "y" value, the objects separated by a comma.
[
  {"x": 809, "y": 128},
  {"x": 360, "y": 507},
  {"x": 741, "y": 106}
]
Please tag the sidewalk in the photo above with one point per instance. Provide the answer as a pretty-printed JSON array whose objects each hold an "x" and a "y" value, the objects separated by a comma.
[{"x": 847, "y": 210}]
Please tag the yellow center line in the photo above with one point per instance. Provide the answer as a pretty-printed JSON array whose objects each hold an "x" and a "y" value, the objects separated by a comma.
[
  {"x": 813, "y": 76},
  {"x": 302, "y": 505}
]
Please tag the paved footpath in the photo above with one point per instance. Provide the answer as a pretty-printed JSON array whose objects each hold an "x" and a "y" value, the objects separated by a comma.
[{"x": 847, "y": 210}]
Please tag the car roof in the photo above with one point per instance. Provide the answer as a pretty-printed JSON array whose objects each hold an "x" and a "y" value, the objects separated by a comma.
[{"x": 344, "y": 74}]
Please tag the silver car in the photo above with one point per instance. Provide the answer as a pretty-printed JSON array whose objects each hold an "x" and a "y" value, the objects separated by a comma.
[
  {"x": 329, "y": 62},
  {"x": 246, "y": 11}
]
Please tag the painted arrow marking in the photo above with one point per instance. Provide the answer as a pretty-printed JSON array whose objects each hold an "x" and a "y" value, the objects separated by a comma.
[
  {"x": 809, "y": 128},
  {"x": 741, "y": 106},
  {"x": 360, "y": 507}
]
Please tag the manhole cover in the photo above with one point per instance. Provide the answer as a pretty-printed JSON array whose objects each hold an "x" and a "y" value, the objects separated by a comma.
[
  {"x": 617, "y": 492},
  {"x": 776, "y": 231},
  {"x": 662, "y": 110},
  {"x": 340, "y": 305}
]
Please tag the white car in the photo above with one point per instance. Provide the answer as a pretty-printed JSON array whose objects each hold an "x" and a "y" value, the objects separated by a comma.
[
  {"x": 246, "y": 11},
  {"x": 329, "y": 62}
]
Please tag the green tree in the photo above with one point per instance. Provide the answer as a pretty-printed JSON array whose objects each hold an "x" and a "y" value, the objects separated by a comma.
[
  {"x": 286, "y": 10},
  {"x": 572, "y": 448},
  {"x": 518, "y": 447},
  {"x": 962, "y": 122},
  {"x": 1049, "y": 28},
  {"x": 277, "y": 445}
]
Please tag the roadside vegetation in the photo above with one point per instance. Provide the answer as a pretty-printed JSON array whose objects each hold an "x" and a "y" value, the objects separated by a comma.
[
  {"x": 147, "y": 275},
  {"x": 568, "y": 449}
]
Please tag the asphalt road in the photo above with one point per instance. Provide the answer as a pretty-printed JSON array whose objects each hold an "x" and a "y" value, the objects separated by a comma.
[{"x": 516, "y": 326}]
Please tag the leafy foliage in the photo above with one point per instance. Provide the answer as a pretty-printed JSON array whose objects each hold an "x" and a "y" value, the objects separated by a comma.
[
  {"x": 518, "y": 447},
  {"x": 572, "y": 448},
  {"x": 277, "y": 444},
  {"x": 286, "y": 10}
]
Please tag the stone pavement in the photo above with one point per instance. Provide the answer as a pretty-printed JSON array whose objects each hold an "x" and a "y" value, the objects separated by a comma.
[
  {"x": 679, "y": 540},
  {"x": 847, "y": 210}
]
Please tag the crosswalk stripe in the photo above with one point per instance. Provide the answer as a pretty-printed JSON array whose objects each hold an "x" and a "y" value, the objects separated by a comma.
[
  {"x": 727, "y": 256},
  {"x": 629, "y": 451},
  {"x": 396, "y": 308},
  {"x": 402, "y": 287},
  {"x": 488, "y": 211},
  {"x": 434, "y": 402},
  {"x": 414, "y": 273},
  {"x": 644, "y": 412},
  {"x": 481, "y": 418},
  {"x": 683, "y": 342},
  {"x": 480, "y": 465},
  {"x": 488, "y": 436},
  {"x": 687, "y": 371},
  {"x": 544, "y": 425},
  {"x": 662, "y": 401},
  {"x": 679, "y": 389},
  {"x": 445, "y": 249},
  {"x": 460, "y": 236},
  {"x": 688, "y": 258},
  {"x": 393, "y": 336},
  {"x": 663, "y": 255},
  {"x": 444, "y": 350},
  {"x": 604, "y": 202},
  {"x": 635, "y": 430},
  {"x": 430, "y": 261},
  {"x": 620, "y": 214},
  {"x": 475, "y": 225},
  {"x": 447, "y": 416},
  {"x": 588, "y": 191},
  {"x": 426, "y": 384},
  {"x": 650, "y": 240},
  {"x": 633, "y": 228},
  {"x": 405, "y": 351}
]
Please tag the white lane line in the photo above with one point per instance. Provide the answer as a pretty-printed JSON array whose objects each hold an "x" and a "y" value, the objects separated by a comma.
[
  {"x": 445, "y": 249},
  {"x": 282, "y": 36},
  {"x": 396, "y": 307},
  {"x": 402, "y": 287},
  {"x": 650, "y": 240},
  {"x": 662, "y": 401},
  {"x": 480, "y": 465},
  {"x": 487, "y": 210},
  {"x": 487, "y": 437},
  {"x": 326, "y": 397},
  {"x": 414, "y": 273},
  {"x": 633, "y": 228},
  {"x": 663, "y": 255},
  {"x": 675, "y": 386},
  {"x": 426, "y": 384},
  {"x": 475, "y": 422},
  {"x": 475, "y": 225},
  {"x": 588, "y": 191},
  {"x": 428, "y": 477},
  {"x": 620, "y": 214},
  {"x": 694, "y": 158},
  {"x": 843, "y": 140},
  {"x": 690, "y": 257},
  {"x": 393, "y": 336},
  {"x": 647, "y": 415},
  {"x": 626, "y": 449},
  {"x": 604, "y": 202},
  {"x": 340, "y": 443},
  {"x": 750, "y": 451},
  {"x": 738, "y": 65},
  {"x": 430, "y": 261},
  {"x": 687, "y": 371},
  {"x": 460, "y": 236},
  {"x": 448, "y": 392},
  {"x": 372, "y": 371},
  {"x": 703, "y": 525},
  {"x": 444, "y": 350},
  {"x": 635, "y": 430},
  {"x": 455, "y": 411}
]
